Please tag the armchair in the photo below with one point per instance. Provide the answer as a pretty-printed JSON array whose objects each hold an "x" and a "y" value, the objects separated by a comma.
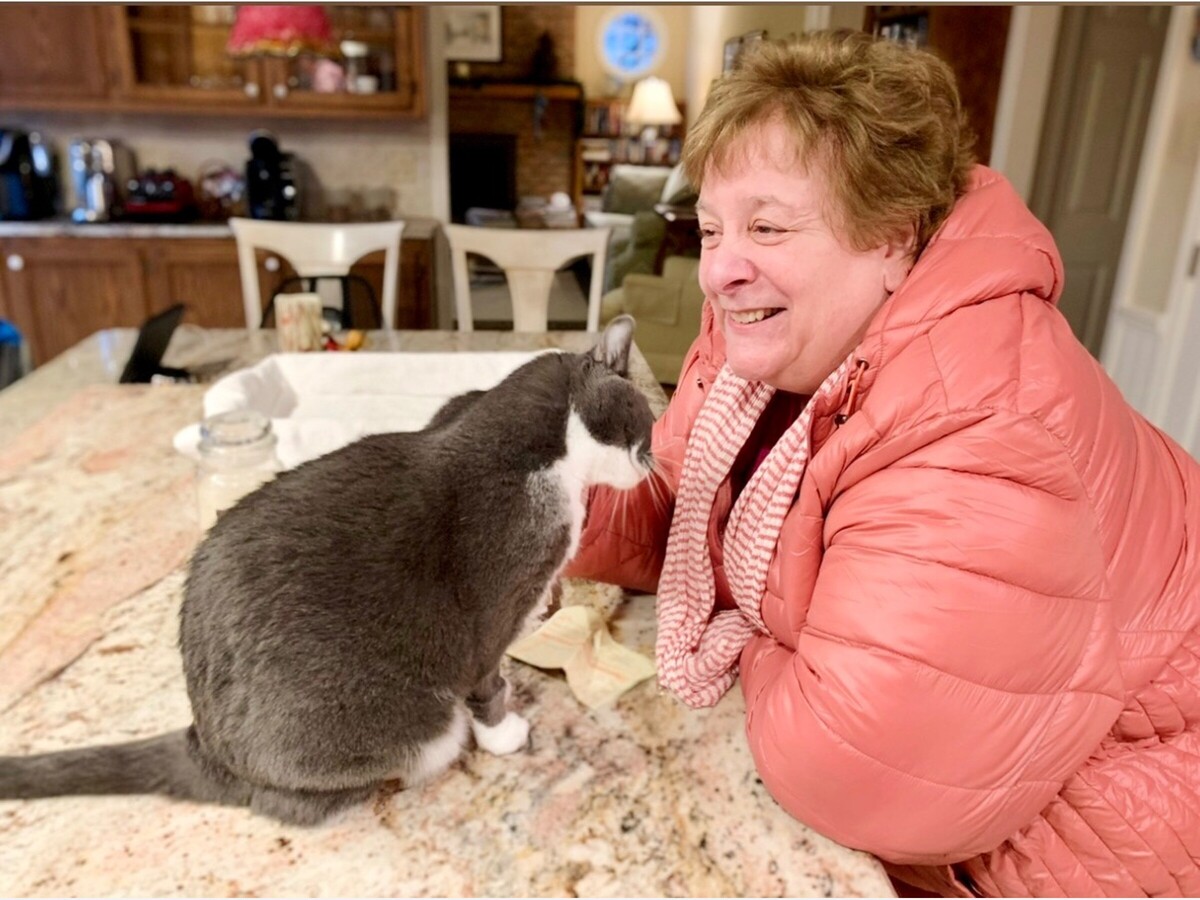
[
  {"x": 667, "y": 309},
  {"x": 627, "y": 206}
]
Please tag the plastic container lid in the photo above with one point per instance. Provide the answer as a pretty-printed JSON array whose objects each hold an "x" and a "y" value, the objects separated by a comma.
[{"x": 239, "y": 429}]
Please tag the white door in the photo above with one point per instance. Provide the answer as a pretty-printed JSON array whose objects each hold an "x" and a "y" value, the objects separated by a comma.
[{"x": 1102, "y": 86}]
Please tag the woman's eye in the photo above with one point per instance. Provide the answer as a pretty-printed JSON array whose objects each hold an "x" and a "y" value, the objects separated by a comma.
[
  {"x": 764, "y": 228},
  {"x": 708, "y": 235}
]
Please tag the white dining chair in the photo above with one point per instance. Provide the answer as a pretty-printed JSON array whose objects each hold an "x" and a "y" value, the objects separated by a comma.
[
  {"x": 529, "y": 258},
  {"x": 317, "y": 250}
]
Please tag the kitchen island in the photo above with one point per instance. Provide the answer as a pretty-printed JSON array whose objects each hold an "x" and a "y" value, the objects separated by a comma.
[{"x": 97, "y": 518}]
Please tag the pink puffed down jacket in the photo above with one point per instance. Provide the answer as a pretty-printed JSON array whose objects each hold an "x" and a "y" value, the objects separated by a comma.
[{"x": 983, "y": 658}]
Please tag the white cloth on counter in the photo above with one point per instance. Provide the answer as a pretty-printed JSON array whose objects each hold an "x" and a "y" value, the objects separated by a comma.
[{"x": 319, "y": 402}]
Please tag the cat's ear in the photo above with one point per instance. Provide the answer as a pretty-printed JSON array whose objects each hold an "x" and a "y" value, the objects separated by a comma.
[{"x": 613, "y": 349}]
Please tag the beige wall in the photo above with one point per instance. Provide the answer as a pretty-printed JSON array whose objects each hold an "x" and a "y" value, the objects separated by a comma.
[
  {"x": 350, "y": 156},
  {"x": 709, "y": 27},
  {"x": 846, "y": 15},
  {"x": 588, "y": 70},
  {"x": 778, "y": 19}
]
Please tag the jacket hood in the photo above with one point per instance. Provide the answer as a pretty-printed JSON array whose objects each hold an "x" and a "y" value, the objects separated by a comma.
[{"x": 990, "y": 246}]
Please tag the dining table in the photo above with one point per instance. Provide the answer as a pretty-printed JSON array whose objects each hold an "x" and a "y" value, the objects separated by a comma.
[{"x": 639, "y": 797}]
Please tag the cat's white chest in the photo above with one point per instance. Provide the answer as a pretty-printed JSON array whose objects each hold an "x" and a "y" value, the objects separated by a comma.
[{"x": 565, "y": 482}]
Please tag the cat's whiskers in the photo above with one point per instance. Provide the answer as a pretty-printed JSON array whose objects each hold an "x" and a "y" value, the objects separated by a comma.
[{"x": 659, "y": 491}]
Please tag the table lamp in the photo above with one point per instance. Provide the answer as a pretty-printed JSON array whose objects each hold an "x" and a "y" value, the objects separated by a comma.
[{"x": 652, "y": 105}]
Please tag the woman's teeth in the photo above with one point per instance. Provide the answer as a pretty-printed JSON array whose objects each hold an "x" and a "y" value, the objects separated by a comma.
[{"x": 749, "y": 316}]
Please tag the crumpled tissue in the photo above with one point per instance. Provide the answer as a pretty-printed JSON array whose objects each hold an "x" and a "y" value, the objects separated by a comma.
[{"x": 576, "y": 640}]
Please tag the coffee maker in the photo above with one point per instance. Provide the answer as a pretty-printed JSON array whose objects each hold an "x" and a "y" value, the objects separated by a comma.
[
  {"x": 272, "y": 188},
  {"x": 100, "y": 173},
  {"x": 28, "y": 183}
]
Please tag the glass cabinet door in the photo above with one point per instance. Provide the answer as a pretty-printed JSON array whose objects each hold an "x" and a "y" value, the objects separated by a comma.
[
  {"x": 373, "y": 64},
  {"x": 178, "y": 52}
]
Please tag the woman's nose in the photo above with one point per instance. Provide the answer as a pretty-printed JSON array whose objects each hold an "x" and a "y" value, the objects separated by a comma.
[{"x": 725, "y": 267}]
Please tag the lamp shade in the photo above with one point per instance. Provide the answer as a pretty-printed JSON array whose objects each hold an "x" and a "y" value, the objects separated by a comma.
[
  {"x": 280, "y": 31},
  {"x": 652, "y": 104}
]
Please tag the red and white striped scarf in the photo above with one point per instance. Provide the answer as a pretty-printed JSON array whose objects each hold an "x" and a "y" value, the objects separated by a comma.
[{"x": 698, "y": 651}]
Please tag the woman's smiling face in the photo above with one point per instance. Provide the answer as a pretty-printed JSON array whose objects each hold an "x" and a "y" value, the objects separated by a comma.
[{"x": 790, "y": 295}]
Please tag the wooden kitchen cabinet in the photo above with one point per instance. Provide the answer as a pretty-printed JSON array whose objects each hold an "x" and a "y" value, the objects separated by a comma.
[
  {"x": 51, "y": 53},
  {"x": 60, "y": 290},
  {"x": 171, "y": 59},
  {"x": 174, "y": 55},
  {"x": 167, "y": 57},
  {"x": 203, "y": 274}
]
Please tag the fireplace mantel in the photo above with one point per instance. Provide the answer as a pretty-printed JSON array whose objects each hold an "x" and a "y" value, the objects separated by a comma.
[{"x": 514, "y": 90}]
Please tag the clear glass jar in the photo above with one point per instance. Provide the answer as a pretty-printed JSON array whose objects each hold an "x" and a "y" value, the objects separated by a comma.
[
  {"x": 354, "y": 53},
  {"x": 237, "y": 456}
]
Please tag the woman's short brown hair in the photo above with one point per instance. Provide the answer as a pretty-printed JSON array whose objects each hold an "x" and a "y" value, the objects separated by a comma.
[{"x": 883, "y": 122}]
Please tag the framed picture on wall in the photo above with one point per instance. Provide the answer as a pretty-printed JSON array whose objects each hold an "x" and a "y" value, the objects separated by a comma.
[
  {"x": 738, "y": 46},
  {"x": 750, "y": 40},
  {"x": 473, "y": 33}
]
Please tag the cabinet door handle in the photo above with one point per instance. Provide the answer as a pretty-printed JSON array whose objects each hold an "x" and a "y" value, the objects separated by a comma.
[
  {"x": 251, "y": 89},
  {"x": 281, "y": 91},
  {"x": 15, "y": 262},
  {"x": 271, "y": 264}
]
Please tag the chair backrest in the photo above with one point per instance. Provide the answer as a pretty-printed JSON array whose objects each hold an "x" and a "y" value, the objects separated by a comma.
[
  {"x": 315, "y": 249},
  {"x": 529, "y": 258}
]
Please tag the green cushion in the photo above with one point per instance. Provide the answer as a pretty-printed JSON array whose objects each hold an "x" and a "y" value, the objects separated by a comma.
[
  {"x": 639, "y": 254},
  {"x": 678, "y": 191},
  {"x": 633, "y": 188}
]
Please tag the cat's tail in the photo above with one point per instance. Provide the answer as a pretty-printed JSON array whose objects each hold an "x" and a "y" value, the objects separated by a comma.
[
  {"x": 171, "y": 764},
  {"x": 157, "y": 765}
]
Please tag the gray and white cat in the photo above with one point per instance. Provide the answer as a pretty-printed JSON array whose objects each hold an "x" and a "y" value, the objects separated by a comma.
[{"x": 344, "y": 624}]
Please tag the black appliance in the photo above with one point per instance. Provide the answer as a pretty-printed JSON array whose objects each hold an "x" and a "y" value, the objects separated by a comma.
[
  {"x": 272, "y": 188},
  {"x": 28, "y": 186}
]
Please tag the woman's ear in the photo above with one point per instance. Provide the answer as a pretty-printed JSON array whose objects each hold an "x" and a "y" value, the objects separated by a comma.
[{"x": 898, "y": 258}]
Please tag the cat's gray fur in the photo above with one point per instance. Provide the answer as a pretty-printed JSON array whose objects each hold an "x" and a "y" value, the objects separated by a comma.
[{"x": 338, "y": 623}]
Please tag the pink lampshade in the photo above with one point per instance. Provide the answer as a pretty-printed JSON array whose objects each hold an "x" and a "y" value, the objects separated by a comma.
[{"x": 280, "y": 31}]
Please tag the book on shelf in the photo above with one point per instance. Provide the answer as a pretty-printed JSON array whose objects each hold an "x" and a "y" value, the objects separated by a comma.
[{"x": 595, "y": 150}]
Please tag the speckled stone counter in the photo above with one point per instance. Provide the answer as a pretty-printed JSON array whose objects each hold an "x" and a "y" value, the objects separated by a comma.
[{"x": 97, "y": 519}]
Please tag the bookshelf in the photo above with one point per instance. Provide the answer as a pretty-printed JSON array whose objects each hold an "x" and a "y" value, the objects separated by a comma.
[
  {"x": 607, "y": 139},
  {"x": 971, "y": 39}
]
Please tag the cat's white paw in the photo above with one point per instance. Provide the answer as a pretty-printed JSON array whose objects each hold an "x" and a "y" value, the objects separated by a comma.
[{"x": 510, "y": 735}]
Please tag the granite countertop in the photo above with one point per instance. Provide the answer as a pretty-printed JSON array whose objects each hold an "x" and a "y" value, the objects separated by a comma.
[
  {"x": 97, "y": 514},
  {"x": 416, "y": 228}
]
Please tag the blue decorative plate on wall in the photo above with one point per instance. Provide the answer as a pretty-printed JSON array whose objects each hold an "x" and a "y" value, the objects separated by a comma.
[{"x": 631, "y": 44}]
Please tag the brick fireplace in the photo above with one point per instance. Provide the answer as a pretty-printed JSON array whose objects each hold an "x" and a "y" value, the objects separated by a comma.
[{"x": 499, "y": 99}]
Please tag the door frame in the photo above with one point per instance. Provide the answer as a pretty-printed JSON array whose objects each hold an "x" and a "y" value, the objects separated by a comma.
[{"x": 1144, "y": 345}]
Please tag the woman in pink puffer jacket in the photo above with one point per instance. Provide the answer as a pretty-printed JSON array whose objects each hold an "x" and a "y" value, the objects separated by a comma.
[{"x": 958, "y": 575}]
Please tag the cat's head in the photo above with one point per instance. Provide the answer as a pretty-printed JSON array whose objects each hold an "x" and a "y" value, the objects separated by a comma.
[{"x": 610, "y": 422}]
